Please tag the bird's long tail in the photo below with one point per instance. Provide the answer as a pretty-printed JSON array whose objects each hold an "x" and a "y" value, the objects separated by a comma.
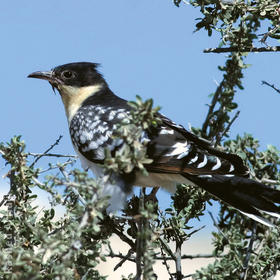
[{"x": 248, "y": 196}]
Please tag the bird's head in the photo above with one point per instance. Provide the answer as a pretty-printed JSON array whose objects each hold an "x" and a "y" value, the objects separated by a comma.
[
  {"x": 72, "y": 75},
  {"x": 74, "y": 81}
]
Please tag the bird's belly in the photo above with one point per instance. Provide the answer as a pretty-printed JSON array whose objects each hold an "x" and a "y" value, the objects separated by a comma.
[
  {"x": 86, "y": 164},
  {"x": 167, "y": 181}
]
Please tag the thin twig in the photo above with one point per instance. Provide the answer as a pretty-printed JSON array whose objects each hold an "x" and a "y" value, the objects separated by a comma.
[
  {"x": 139, "y": 239},
  {"x": 217, "y": 226},
  {"x": 123, "y": 237},
  {"x": 167, "y": 249},
  {"x": 271, "y": 85},
  {"x": 50, "y": 148},
  {"x": 52, "y": 167},
  {"x": 5, "y": 197},
  {"x": 237, "y": 257},
  {"x": 243, "y": 275},
  {"x": 51, "y": 155},
  {"x": 124, "y": 259},
  {"x": 166, "y": 264},
  {"x": 222, "y": 134},
  {"x": 37, "y": 182},
  {"x": 189, "y": 275},
  {"x": 269, "y": 33},
  {"x": 85, "y": 276},
  {"x": 195, "y": 231},
  {"x": 211, "y": 108},
  {"x": 122, "y": 218},
  {"x": 74, "y": 190},
  {"x": 161, "y": 258},
  {"x": 240, "y": 50}
]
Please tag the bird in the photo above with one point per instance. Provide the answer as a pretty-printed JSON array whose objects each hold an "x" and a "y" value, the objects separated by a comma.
[{"x": 178, "y": 156}]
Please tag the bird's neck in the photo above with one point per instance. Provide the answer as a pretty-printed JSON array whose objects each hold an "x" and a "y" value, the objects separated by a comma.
[
  {"x": 106, "y": 98},
  {"x": 73, "y": 97}
]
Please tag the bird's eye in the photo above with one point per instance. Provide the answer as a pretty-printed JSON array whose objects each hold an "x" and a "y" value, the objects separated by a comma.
[{"x": 67, "y": 74}]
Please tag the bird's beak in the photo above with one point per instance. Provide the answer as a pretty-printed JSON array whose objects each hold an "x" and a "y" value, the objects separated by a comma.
[{"x": 44, "y": 75}]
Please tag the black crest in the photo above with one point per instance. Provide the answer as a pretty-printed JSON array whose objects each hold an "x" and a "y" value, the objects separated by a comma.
[{"x": 79, "y": 74}]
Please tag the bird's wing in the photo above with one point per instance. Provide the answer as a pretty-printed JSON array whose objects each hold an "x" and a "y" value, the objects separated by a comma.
[{"x": 176, "y": 150}]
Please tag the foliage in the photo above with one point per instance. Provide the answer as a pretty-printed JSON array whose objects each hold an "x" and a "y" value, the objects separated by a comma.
[
  {"x": 132, "y": 153},
  {"x": 238, "y": 21},
  {"x": 40, "y": 245},
  {"x": 249, "y": 251}
]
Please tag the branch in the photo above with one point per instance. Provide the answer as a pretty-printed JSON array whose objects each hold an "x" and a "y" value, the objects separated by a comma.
[
  {"x": 178, "y": 264},
  {"x": 50, "y": 148},
  {"x": 237, "y": 254},
  {"x": 74, "y": 190},
  {"x": 189, "y": 275},
  {"x": 57, "y": 166},
  {"x": 243, "y": 275},
  {"x": 167, "y": 249},
  {"x": 211, "y": 108},
  {"x": 5, "y": 198},
  {"x": 217, "y": 226},
  {"x": 139, "y": 239},
  {"x": 163, "y": 258},
  {"x": 124, "y": 238},
  {"x": 269, "y": 33},
  {"x": 124, "y": 259},
  {"x": 51, "y": 155},
  {"x": 242, "y": 50},
  {"x": 166, "y": 264},
  {"x": 271, "y": 85},
  {"x": 221, "y": 135}
]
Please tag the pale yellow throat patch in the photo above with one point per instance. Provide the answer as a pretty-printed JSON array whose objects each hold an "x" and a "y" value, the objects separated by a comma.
[{"x": 73, "y": 97}]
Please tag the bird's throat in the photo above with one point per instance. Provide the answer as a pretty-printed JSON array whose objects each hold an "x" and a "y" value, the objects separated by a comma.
[{"x": 73, "y": 97}]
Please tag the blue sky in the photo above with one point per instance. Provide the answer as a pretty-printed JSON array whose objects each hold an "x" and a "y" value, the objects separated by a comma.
[{"x": 145, "y": 47}]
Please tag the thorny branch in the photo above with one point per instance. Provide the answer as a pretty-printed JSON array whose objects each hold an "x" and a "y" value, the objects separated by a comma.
[
  {"x": 75, "y": 191},
  {"x": 222, "y": 134},
  {"x": 53, "y": 145},
  {"x": 242, "y": 50},
  {"x": 5, "y": 197},
  {"x": 123, "y": 237},
  {"x": 271, "y": 85},
  {"x": 179, "y": 275},
  {"x": 124, "y": 259},
  {"x": 52, "y": 167},
  {"x": 211, "y": 108},
  {"x": 243, "y": 275},
  {"x": 46, "y": 152},
  {"x": 166, "y": 264},
  {"x": 51, "y": 155},
  {"x": 269, "y": 33},
  {"x": 167, "y": 249},
  {"x": 217, "y": 226},
  {"x": 139, "y": 239},
  {"x": 163, "y": 258}
]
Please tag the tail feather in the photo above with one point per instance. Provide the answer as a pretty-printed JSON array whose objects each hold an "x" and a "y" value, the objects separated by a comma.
[{"x": 248, "y": 196}]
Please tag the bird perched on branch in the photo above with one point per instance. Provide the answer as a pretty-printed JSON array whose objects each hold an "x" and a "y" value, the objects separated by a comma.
[{"x": 178, "y": 156}]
